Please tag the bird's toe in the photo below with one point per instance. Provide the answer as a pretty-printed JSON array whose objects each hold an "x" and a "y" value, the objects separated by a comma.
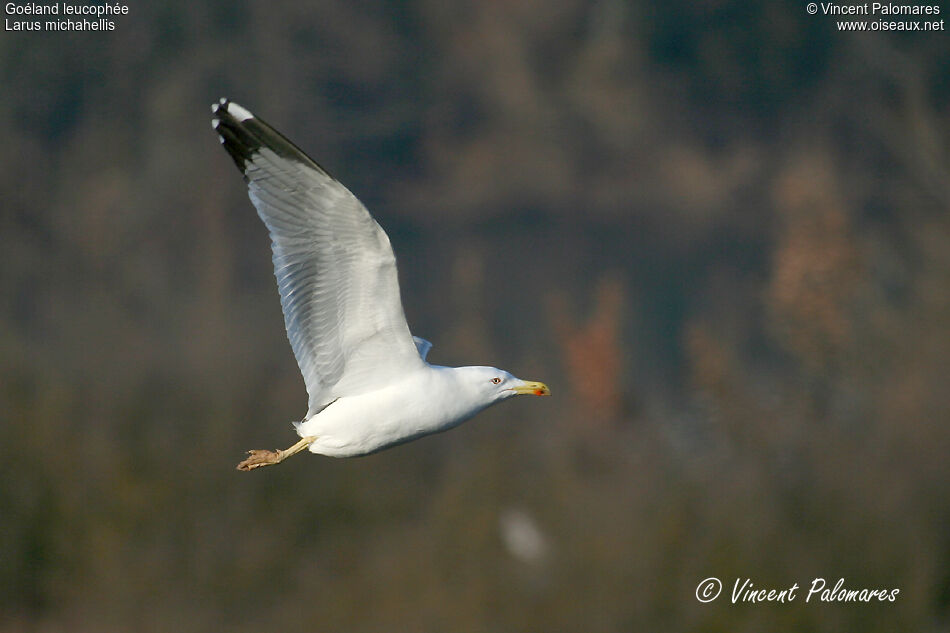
[{"x": 258, "y": 458}]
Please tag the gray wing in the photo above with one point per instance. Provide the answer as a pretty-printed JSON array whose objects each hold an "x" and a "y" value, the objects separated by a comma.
[
  {"x": 423, "y": 346},
  {"x": 335, "y": 268}
]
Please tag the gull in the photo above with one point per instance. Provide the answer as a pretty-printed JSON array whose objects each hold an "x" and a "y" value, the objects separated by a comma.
[{"x": 367, "y": 378}]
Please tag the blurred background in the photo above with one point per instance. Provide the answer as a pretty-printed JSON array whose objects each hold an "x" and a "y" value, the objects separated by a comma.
[{"x": 718, "y": 230}]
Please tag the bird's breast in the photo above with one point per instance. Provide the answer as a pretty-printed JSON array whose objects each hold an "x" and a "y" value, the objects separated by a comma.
[{"x": 420, "y": 403}]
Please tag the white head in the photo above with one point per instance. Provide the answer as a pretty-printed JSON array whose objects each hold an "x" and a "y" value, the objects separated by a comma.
[{"x": 485, "y": 386}]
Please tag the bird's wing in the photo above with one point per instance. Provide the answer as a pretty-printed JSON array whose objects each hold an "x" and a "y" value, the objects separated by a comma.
[{"x": 335, "y": 268}]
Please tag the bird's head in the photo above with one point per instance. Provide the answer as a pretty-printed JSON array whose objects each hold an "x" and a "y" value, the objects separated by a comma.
[{"x": 495, "y": 385}]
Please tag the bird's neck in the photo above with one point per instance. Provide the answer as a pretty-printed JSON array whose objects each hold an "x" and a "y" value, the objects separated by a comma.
[{"x": 462, "y": 398}]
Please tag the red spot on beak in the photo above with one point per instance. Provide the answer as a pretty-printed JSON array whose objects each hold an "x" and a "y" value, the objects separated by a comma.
[{"x": 538, "y": 392}]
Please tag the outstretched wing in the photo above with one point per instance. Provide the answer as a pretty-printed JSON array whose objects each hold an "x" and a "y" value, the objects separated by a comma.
[{"x": 335, "y": 268}]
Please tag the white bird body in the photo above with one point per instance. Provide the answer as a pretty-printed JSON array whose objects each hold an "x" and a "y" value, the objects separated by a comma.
[
  {"x": 369, "y": 384},
  {"x": 427, "y": 400}
]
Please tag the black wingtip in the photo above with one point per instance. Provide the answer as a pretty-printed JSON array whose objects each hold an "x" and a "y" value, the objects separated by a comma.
[
  {"x": 243, "y": 135},
  {"x": 233, "y": 133}
]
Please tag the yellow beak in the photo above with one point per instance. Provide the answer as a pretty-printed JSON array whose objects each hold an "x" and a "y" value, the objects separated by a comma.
[{"x": 533, "y": 388}]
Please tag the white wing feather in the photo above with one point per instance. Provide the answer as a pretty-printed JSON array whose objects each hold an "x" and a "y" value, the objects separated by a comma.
[{"x": 335, "y": 268}]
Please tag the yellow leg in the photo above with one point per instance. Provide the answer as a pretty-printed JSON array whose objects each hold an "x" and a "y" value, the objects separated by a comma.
[{"x": 258, "y": 458}]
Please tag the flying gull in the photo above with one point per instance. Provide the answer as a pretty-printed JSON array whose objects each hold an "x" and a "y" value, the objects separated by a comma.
[{"x": 369, "y": 384}]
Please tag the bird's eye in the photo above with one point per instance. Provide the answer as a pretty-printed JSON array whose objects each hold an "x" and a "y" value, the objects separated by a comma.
[{"x": 496, "y": 381}]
